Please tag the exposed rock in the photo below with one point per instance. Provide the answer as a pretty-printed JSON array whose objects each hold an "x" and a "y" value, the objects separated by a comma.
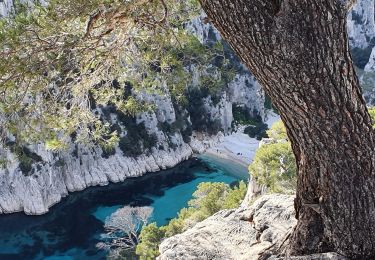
[
  {"x": 361, "y": 24},
  {"x": 235, "y": 234},
  {"x": 370, "y": 67},
  {"x": 5, "y": 7},
  {"x": 245, "y": 233},
  {"x": 325, "y": 256}
]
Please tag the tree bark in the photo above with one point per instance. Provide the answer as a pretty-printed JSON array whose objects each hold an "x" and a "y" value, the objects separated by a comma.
[{"x": 299, "y": 52}]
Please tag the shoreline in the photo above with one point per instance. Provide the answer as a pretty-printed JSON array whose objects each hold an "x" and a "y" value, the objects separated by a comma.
[
  {"x": 225, "y": 156},
  {"x": 239, "y": 147}
]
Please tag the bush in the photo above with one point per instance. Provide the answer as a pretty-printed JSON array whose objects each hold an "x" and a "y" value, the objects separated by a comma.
[
  {"x": 361, "y": 56},
  {"x": 201, "y": 120},
  {"x": 274, "y": 164},
  {"x": 25, "y": 157},
  {"x": 235, "y": 196},
  {"x": 208, "y": 198},
  {"x": 130, "y": 147},
  {"x": 137, "y": 139},
  {"x": 151, "y": 236},
  {"x": 277, "y": 131},
  {"x": 243, "y": 116},
  {"x": 108, "y": 152}
]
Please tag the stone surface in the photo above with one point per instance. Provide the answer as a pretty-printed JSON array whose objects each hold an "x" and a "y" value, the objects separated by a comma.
[
  {"x": 243, "y": 233},
  {"x": 361, "y": 24}
]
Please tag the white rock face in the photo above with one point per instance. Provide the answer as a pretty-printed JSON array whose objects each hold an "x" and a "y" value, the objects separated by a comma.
[
  {"x": 36, "y": 193},
  {"x": 361, "y": 23},
  {"x": 5, "y": 7}
]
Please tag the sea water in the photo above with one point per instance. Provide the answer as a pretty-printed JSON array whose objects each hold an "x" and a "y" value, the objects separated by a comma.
[{"x": 74, "y": 226}]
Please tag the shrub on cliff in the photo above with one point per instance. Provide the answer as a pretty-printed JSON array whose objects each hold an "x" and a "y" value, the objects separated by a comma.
[
  {"x": 150, "y": 236},
  {"x": 274, "y": 164}
]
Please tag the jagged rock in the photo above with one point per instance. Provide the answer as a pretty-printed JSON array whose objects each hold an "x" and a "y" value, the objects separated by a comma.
[
  {"x": 235, "y": 234},
  {"x": 5, "y": 7},
  {"x": 325, "y": 256}
]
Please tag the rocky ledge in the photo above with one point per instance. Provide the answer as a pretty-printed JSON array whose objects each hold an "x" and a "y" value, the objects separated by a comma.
[{"x": 244, "y": 233}]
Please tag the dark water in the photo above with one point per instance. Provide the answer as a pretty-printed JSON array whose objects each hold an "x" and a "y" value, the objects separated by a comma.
[{"x": 73, "y": 227}]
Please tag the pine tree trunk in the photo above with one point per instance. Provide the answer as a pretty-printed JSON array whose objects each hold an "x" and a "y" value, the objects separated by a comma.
[{"x": 299, "y": 52}]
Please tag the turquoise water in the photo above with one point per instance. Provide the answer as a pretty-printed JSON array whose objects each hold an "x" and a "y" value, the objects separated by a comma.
[{"x": 73, "y": 227}]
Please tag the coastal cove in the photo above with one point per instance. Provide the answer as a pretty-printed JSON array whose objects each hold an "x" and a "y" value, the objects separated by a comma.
[{"x": 74, "y": 226}]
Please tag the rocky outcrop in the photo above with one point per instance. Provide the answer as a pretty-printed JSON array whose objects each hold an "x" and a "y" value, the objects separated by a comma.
[
  {"x": 235, "y": 234},
  {"x": 361, "y": 24},
  {"x": 253, "y": 232},
  {"x": 5, "y": 7}
]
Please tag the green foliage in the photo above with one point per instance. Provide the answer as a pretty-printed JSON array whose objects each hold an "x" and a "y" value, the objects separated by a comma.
[
  {"x": 274, "y": 164},
  {"x": 243, "y": 116},
  {"x": 201, "y": 120},
  {"x": 208, "y": 199},
  {"x": 268, "y": 104},
  {"x": 256, "y": 128},
  {"x": 258, "y": 131},
  {"x": 277, "y": 131},
  {"x": 151, "y": 236},
  {"x": 25, "y": 157},
  {"x": 67, "y": 57},
  {"x": 235, "y": 196},
  {"x": 371, "y": 110}
]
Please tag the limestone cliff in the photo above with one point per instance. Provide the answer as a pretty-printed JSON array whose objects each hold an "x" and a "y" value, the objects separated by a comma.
[
  {"x": 361, "y": 24},
  {"x": 35, "y": 178}
]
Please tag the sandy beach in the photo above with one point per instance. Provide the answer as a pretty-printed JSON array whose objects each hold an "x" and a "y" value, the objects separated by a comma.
[{"x": 239, "y": 147}]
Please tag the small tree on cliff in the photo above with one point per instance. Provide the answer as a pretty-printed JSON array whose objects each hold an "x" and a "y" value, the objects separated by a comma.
[{"x": 297, "y": 49}]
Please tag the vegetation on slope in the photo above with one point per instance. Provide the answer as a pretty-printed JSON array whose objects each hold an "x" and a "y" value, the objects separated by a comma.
[
  {"x": 274, "y": 163},
  {"x": 256, "y": 128}
]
